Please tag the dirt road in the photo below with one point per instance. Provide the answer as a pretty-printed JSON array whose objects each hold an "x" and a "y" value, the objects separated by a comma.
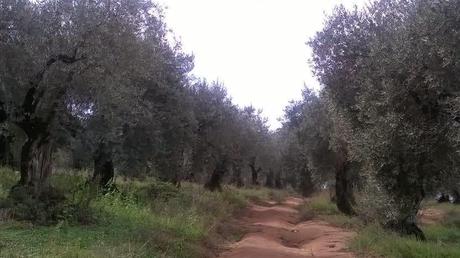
[{"x": 274, "y": 232}]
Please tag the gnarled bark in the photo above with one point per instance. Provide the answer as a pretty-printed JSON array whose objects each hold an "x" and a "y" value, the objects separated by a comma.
[
  {"x": 40, "y": 201},
  {"x": 36, "y": 164},
  {"x": 36, "y": 153}
]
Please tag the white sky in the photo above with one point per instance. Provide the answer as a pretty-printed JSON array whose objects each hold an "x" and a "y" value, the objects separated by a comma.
[{"x": 255, "y": 47}]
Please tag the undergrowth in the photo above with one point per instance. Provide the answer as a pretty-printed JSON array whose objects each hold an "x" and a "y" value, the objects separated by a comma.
[
  {"x": 141, "y": 219},
  {"x": 443, "y": 237}
]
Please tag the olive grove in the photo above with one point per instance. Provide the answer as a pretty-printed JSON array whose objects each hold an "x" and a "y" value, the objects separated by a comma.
[{"x": 102, "y": 86}]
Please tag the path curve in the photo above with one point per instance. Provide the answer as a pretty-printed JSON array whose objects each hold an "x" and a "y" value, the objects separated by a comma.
[{"x": 274, "y": 232}]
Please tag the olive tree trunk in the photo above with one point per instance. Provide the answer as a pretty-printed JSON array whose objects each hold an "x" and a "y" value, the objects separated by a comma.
[
  {"x": 255, "y": 175},
  {"x": 103, "y": 166},
  {"x": 36, "y": 118},
  {"x": 407, "y": 226},
  {"x": 254, "y": 171},
  {"x": 307, "y": 186},
  {"x": 344, "y": 188},
  {"x": 6, "y": 157},
  {"x": 278, "y": 181},
  {"x": 405, "y": 222},
  {"x": 33, "y": 194},
  {"x": 36, "y": 164},
  {"x": 236, "y": 178},
  {"x": 408, "y": 193},
  {"x": 270, "y": 182},
  {"x": 214, "y": 182}
]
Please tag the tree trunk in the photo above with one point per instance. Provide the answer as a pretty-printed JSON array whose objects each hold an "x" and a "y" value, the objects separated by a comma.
[
  {"x": 6, "y": 157},
  {"x": 103, "y": 166},
  {"x": 344, "y": 188},
  {"x": 254, "y": 171},
  {"x": 255, "y": 175},
  {"x": 278, "y": 181},
  {"x": 185, "y": 167},
  {"x": 36, "y": 153},
  {"x": 214, "y": 182},
  {"x": 408, "y": 193},
  {"x": 236, "y": 179},
  {"x": 407, "y": 226},
  {"x": 36, "y": 164},
  {"x": 270, "y": 179},
  {"x": 39, "y": 201},
  {"x": 306, "y": 184},
  {"x": 455, "y": 196}
]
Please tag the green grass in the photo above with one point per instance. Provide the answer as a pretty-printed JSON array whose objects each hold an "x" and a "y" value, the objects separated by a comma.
[
  {"x": 8, "y": 178},
  {"x": 374, "y": 241},
  {"x": 443, "y": 238},
  {"x": 146, "y": 219},
  {"x": 319, "y": 206}
]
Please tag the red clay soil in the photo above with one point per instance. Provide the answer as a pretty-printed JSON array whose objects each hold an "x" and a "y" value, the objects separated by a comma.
[{"x": 274, "y": 232}]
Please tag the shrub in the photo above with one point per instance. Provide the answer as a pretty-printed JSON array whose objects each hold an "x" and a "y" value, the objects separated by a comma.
[
  {"x": 157, "y": 190},
  {"x": 47, "y": 209},
  {"x": 322, "y": 205}
]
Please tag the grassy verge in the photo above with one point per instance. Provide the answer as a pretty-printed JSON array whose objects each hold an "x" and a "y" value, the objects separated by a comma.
[
  {"x": 144, "y": 219},
  {"x": 320, "y": 206},
  {"x": 443, "y": 238}
]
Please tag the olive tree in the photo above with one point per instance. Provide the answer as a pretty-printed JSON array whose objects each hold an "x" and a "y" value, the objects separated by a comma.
[
  {"x": 391, "y": 73},
  {"x": 53, "y": 51}
]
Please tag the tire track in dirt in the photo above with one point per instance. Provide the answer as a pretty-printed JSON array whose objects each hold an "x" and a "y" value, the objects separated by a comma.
[{"x": 274, "y": 232}]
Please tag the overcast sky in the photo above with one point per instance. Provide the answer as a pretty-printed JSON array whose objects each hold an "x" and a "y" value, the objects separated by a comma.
[{"x": 255, "y": 47}]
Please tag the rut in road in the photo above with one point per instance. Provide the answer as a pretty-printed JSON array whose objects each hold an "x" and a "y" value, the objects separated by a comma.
[{"x": 274, "y": 232}]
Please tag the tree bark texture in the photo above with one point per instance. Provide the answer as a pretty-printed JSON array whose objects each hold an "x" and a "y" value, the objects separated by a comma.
[{"x": 36, "y": 163}]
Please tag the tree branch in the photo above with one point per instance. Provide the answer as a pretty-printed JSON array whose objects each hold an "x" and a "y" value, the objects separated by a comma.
[{"x": 33, "y": 97}]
